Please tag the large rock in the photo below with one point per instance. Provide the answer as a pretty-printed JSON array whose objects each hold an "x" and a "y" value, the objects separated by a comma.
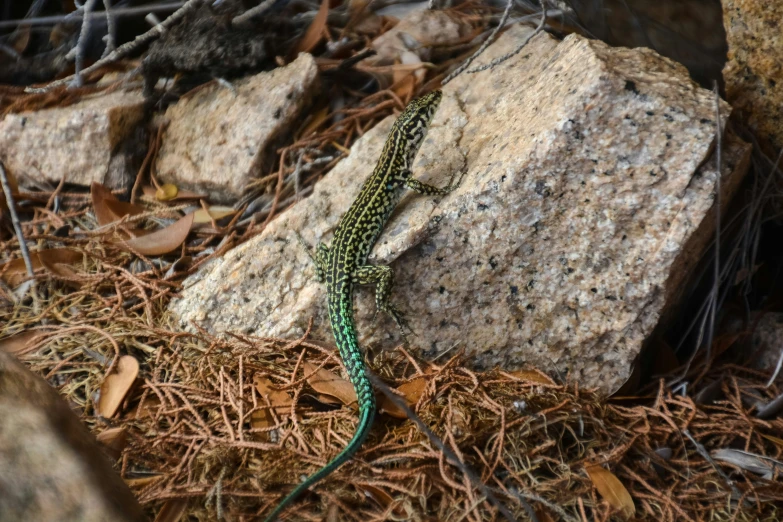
[
  {"x": 219, "y": 137},
  {"x": 51, "y": 467},
  {"x": 83, "y": 142},
  {"x": 585, "y": 173},
  {"x": 754, "y": 70}
]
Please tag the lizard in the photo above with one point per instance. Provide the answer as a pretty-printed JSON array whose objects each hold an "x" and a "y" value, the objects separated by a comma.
[{"x": 343, "y": 265}]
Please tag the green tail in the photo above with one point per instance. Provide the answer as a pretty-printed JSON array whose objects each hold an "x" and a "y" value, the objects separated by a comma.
[{"x": 366, "y": 416}]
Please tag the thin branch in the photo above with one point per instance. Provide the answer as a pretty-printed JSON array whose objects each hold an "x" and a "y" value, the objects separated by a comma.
[
  {"x": 483, "y": 47},
  {"x": 127, "y": 48},
  {"x": 111, "y": 29},
  {"x": 701, "y": 450},
  {"x": 9, "y": 200},
  {"x": 516, "y": 51},
  {"x": 81, "y": 43},
  {"x": 261, "y": 8},
  {"x": 77, "y": 15},
  {"x": 450, "y": 455}
]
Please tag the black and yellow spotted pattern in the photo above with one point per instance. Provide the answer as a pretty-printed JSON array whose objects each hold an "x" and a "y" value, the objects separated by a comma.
[{"x": 344, "y": 264}]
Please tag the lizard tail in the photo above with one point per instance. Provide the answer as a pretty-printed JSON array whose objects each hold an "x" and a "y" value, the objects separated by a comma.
[{"x": 366, "y": 416}]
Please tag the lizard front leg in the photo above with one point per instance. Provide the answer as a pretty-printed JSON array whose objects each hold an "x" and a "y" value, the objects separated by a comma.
[{"x": 429, "y": 190}]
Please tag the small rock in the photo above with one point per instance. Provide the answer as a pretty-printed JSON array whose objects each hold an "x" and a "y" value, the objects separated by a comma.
[
  {"x": 418, "y": 32},
  {"x": 753, "y": 72},
  {"x": 206, "y": 42},
  {"x": 79, "y": 142},
  {"x": 51, "y": 467},
  {"x": 586, "y": 174},
  {"x": 218, "y": 138}
]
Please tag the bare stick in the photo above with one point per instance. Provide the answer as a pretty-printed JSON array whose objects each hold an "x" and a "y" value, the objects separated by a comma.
[
  {"x": 483, "y": 47},
  {"x": 9, "y": 199},
  {"x": 127, "y": 48},
  {"x": 79, "y": 49},
  {"x": 474, "y": 479},
  {"x": 239, "y": 20},
  {"x": 77, "y": 15},
  {"x": 505, "y": 57},
  {"x": 111, "y": 29},
  {"x": 703, "y": 452}
]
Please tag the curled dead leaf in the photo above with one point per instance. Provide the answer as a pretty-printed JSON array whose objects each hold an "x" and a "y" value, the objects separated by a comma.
[
  {"x": 314, "y": 121},
  {"x": 773, "y": 439},
  {"x": 315, "y": 32},
  {"x": 140, "y": 482},
  {"x": 172, "y": 510},
  {"x": 14, "y": 272},
  {"x": 108, "y": 208},
  {"x": 116, "y": 386},
  {"x": 215, "y": 212},
  {"x": 19, "y": 342},
  {"x": 532, "y": 376},
  {"x": 114, "y": 441},
  {"x": 411, "y": 393},
  {"x": 325, "y": 382},
  {"x": 381, "y": 497},
  {"x": 611, "y": 489},
  {"x": 280, "y": 400},
  {"x": 161, "y": 241}
]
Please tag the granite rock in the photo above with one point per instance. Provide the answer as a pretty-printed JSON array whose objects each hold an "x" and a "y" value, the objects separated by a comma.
[
  {"x": 219, "y": 137},
  {"x": 83, "y": 143},
  {"x": 754, "y": 70},
  {"x": 417, "y": 32},
  {"x": 585, "y": 172}
]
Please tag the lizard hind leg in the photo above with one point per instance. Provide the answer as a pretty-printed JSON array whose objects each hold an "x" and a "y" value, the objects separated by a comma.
[
  {"x": 383, "y": 279},
  {"x": 320, "y": 259}
]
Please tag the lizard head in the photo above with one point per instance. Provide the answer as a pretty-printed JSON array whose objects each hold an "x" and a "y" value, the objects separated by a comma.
[{"x": 415, "y": 120}]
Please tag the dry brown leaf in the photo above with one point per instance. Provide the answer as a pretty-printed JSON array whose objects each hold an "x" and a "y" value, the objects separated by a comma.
[
  {"x": 774, "y": 440},
  {"x": 405, "y": 87},
  {"x": 117, "y": 385},
  {"x": 611, "y": 489},
  {"x": 15, "y": 273},
  {"x": 215, "y": 212},
  {"x": 314, "y": 121},
  {"x": 161, "y": 241},
  {"x": 411, "y": 393},
  {"x": 327, "y": 399},
  {"x": 532, "y": 376},
  {"x": 150, "y": 407},
  {"x": 140, "y": 482},
  {"x": 172, "y": 510},
  {"x": 21, "y": 38},
  {"x": 381, "y": 497},
  {"x": 166, "y": 192},
  {"x": 327, "y": 383},
  {"x": 280, "y": 400},
  {"x": 17, "y": 343},
  {"x": 182, "y": 194},
  {"x": 107, "y": 207},
  {"x": 114, "y": 441},
  {"x": 315, "y": 32}
]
